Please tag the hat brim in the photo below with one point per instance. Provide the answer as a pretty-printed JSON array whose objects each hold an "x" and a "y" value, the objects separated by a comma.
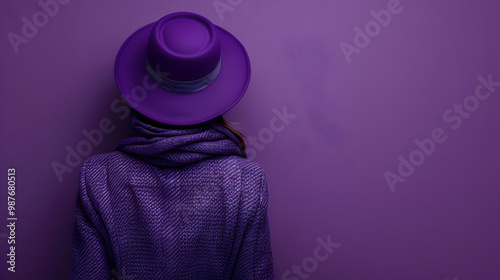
[{"x": 175, "y": 108}]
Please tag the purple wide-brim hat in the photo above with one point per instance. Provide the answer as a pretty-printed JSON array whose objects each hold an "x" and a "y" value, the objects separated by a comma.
[{"x": 182, "y": 70}]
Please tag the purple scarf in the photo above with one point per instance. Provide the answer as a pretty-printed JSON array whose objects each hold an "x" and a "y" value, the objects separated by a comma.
[{"x": 179, "y": 146}]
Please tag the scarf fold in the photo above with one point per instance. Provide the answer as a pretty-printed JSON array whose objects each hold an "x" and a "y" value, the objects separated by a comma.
[{"x": 179, "y": 146}]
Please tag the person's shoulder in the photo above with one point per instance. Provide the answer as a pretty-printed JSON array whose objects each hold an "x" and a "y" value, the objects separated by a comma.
[
  {"x": 250, "y": 173},
  {"x": 96, "y": 171},
  {"x": 105, "y": 159},
  {"x": 97, "y": 166},
  {"x": 254, "y": 183},
  {"x": 246, "y": 166}
]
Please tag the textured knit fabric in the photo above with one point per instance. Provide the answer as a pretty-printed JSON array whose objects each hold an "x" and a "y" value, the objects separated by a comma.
[{"x": 172, "y": 204}]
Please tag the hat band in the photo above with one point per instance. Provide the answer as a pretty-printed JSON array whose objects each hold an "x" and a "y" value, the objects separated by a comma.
[{"x": 182, "y": 86}]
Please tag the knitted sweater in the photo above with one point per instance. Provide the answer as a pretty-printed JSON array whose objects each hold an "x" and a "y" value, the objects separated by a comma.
[{"x": 172, "y": 204}]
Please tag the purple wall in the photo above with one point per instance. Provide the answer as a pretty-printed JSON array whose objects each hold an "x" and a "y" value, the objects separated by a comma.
[{"x": 389, "y": 151}]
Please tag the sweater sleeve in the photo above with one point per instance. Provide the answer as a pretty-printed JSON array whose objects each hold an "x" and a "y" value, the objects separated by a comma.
[
  {"x": 255, "y": 259},
  {"x": 90, "y": 258}
]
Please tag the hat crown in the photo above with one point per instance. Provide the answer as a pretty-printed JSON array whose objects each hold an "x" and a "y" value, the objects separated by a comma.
[{"x": 184, "y": 45}]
